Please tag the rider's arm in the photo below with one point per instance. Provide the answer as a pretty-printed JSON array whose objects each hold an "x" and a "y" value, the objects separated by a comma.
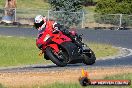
[{"x": 58, "y": 27}]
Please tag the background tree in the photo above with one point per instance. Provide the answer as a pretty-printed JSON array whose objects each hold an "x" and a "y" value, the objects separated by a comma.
[
  {"x": 67, "y": 16},
  {"x": 114, "y": 6},
  {"x": 89, "y": 2},
  {"x": 66, "y": 5}
]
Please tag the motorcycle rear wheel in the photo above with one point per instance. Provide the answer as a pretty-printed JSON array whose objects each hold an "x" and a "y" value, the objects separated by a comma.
[{"x": 56, "y": 58}]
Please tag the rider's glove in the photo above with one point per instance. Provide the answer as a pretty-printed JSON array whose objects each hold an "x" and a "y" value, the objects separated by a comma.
[
  {"x": 55, "y": 30},
  {"x": 56, "y": 27}
]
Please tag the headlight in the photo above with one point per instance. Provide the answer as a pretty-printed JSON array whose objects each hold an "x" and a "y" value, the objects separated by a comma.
[{"x": 46, "y": 37}]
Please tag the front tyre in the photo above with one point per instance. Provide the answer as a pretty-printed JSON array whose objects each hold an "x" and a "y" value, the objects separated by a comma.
[
  {"x": 58, "y": 59},
  {"x": 89, "y": 57}
]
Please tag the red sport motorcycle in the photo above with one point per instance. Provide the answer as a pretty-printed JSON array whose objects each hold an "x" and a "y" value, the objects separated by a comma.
[{"x": 62, "y": 50}]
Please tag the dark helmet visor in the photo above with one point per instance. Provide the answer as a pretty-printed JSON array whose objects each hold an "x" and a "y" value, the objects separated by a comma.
[{"x": 37, "y": 25}]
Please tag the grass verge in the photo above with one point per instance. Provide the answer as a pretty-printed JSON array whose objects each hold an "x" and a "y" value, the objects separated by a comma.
[
  {"x": 1, "y": 86},
  {"x": 77, "y": 85},
  {"x": 33, "y": 4},
  {"x": 18, "y": 51},
  {"x": 103, "y": 50},
  {"x": 23, "y": 51},
  {"x": 62, "y": 78}
]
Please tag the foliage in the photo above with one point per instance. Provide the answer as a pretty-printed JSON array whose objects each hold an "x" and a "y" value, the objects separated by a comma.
[
  {"x": 114, "y": 6},
  {"x": 67, "y": 6},
  {"x": 126, "y": 20},
  {"x": 89, "y": 2},
  {"x": 107, "y": 19},
  {"x": 67, "y": 19}
]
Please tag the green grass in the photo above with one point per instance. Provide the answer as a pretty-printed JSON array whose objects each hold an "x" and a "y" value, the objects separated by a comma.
[
  {"x": 18, "y": 51},
  {"x": 77, "y": 85},
  {"x": 103, "y": 50},
  {"x": 127, "y": 76},
  {"x": 32, "y": 7},
  {"x": 23, "y": 51},
  {"x": 64, "y": 85},
  {"x": 32, "y": 4},
  {"x": 1, "y": 86}
]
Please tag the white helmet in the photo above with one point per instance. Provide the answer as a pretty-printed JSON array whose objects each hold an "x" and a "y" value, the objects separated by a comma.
[{"x": 39, "y": 22}]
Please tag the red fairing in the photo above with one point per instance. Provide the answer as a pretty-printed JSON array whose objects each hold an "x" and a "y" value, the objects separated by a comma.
[
  {"x": 60, "y": 38},
  {"x": 48, "y": 38}
]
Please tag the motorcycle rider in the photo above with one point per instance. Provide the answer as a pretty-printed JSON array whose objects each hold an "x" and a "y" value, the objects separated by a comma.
[{"x": 42, "y": 24}]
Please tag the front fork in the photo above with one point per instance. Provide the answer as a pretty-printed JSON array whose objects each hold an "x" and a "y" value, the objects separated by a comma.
[{"x": 83, "y": 48}]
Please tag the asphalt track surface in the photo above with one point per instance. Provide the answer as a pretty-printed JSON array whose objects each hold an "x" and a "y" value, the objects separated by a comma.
[{"x": 119, "y": 38}]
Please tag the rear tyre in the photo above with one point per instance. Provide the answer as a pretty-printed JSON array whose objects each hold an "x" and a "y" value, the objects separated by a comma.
[
  {"x": 89, "y": 58},
  {"x": 58, "y": 59}
]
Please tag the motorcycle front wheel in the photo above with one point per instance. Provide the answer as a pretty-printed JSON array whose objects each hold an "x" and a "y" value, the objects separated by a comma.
[
  {"x": 89, "y": 57},
  {"x": 58, "y": 59}
]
